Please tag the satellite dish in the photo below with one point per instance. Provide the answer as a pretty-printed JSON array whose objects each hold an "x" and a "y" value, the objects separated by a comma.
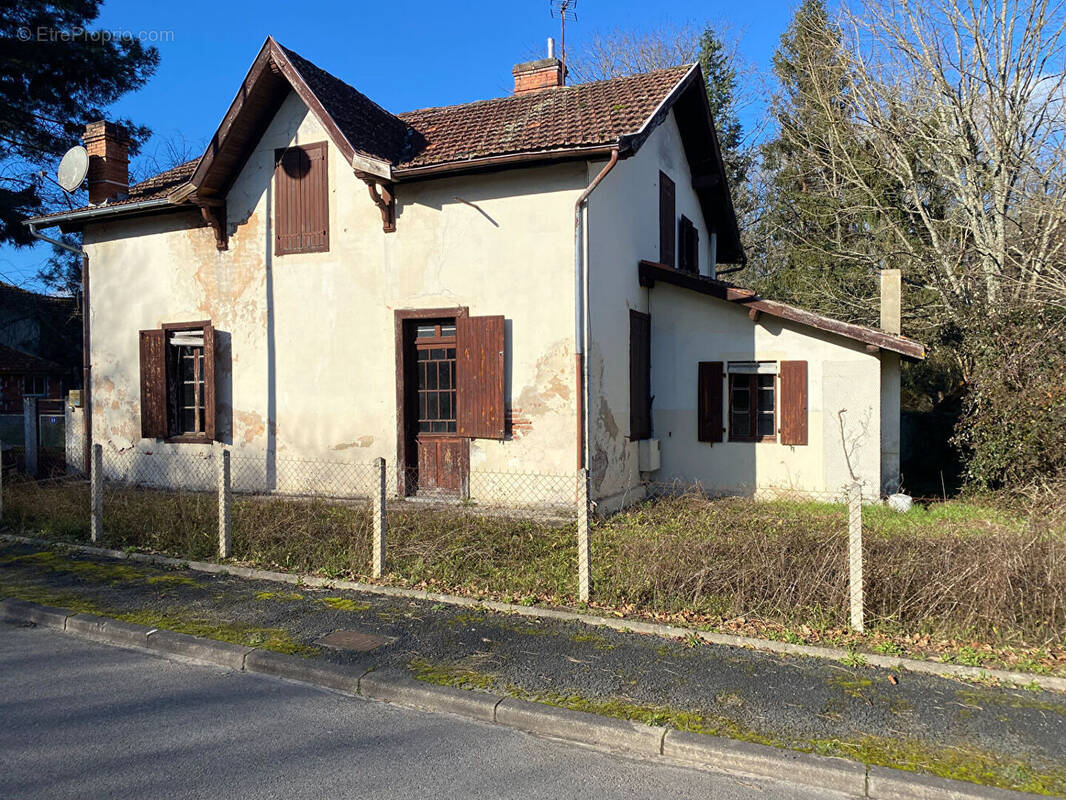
[{"x": 73, "y": 168}]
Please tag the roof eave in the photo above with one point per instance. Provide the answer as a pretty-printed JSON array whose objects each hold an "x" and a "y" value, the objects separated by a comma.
[
  {"x": 527, "y": 158},
  {"x": 650, "y": 272},
  {"x": 90, "y": 214}
]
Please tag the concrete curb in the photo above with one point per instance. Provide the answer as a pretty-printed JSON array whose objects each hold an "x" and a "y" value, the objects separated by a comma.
[
  {"x": 624, "y": 625},
  {"x": 833, "y": 774}
]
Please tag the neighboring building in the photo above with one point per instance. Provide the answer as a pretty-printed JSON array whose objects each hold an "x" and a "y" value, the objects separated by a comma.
[
  {"x": 40, "y": 353},
  {"x": 332, "y": 281}
]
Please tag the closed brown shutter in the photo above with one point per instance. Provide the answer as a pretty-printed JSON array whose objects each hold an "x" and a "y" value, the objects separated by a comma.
[
  {"x": 153, "y": 385},
  {"x": 667, "y": 225},
  {"x": 639, "y": 375},
  {"x": 209, "y": 381},
  {"x": 301, "y": 218},
  {"x": 709, "y": 404},
  {"x": 794, "y": 402},
  {"x": 479, "y": 373},
  {"x": 689, "y": 251}
]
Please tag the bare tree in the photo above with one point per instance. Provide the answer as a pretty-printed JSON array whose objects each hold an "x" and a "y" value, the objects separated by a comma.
[{"x": 960, "y": 170}]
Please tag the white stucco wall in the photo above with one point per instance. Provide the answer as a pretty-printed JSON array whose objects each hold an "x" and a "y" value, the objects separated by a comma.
[
  {"x": 686, "y": 328},
  {"x": 623, "y": 228},
  {"x": 307, "y": 356}
]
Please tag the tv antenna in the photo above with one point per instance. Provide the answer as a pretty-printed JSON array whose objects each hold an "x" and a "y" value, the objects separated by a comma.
[{"x": 564, "y": 9}]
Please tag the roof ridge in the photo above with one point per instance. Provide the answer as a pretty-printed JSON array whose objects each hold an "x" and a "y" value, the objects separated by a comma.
[{"x": 568, "y": 88}]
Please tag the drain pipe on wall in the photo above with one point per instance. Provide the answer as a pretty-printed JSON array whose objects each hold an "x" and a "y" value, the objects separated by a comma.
[
  {"x": 581, "y": 315},
  {"x": 86, "y": 368}
]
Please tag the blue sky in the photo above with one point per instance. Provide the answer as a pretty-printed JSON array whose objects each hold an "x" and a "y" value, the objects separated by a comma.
[{"x": 405, "y": 54}]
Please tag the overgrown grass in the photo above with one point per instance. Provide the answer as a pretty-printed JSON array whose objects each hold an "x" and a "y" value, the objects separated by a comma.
[{"x": 947, "y": 579}]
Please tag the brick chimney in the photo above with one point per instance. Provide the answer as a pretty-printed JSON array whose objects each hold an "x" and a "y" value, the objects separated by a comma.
[
  {"x": 109, "y": 161},
  {"x": 534, "y": 76}
]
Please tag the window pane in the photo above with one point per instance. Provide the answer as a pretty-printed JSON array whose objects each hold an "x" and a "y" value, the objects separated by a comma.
[
  {"x": 445, "y": 405},
  {"x": 436, "y": 354},
  {"x": 451, "y": 427},
  {"x": 446, "y": 375},
  {"x": 451, "y": 353},
  {"x": 740, "y": 424},
  {"x": 766, "y": 399},
  {"x": 423, "y": 427},
  {"x": 188, "y": 394},
  {"x": 421, "y": 405},
  {"x": 766, "y": 425},
  {"x": 423, "y": 355},
  {"x": 431, "y": 405},
  {"x": 425, "y": 331},
  {"x": 431, "y": 376},
  {"x": 447, "y": 330},
  {"x": 440, "y": 427},
  {"x": 188, "y": 420},
  {"x": 741, "y": 402}
]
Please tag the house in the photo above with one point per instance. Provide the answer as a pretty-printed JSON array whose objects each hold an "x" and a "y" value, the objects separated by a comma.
[
  {"x": 527, "y": 284},
  {"x": 40, "y": 353}
]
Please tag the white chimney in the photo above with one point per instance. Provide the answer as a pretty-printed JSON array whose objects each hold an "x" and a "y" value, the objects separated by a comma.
[
  {"x": 891, "y": 301},
  {"x": 551, "y": 47}
]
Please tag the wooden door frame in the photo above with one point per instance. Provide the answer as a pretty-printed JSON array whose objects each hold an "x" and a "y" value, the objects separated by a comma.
[{"x": 401, "y": 317}]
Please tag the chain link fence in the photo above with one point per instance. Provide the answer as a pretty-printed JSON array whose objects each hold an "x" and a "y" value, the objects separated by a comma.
[{"x": 828, "y": 560}]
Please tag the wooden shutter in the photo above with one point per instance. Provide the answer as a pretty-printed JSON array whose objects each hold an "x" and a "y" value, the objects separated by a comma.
[
  {"x": 301, "y": 218},
  {"x": 688, "y": 246},
  {"x": 639, "y": 375},
  {"x": 479, "y": 373},
  {"x": 153, "y": 384},
  {"x": 209, "y": 381},
  {"x": 709, "y": 404},
  {"x": 794, "y": 402},
  {"x": 667, "y": 225}
]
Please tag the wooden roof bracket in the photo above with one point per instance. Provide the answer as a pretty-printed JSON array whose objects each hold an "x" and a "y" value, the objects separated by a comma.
[
  {"x": 214, "y": 214},
  {"x": 385, "y": 200},
  {"x": 753, "y": 314}
]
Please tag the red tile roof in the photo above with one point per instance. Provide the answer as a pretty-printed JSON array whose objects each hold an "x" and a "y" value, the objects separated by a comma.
[
  {"x": 571, "y": 116},
  {"x": 16, "y": 361}
]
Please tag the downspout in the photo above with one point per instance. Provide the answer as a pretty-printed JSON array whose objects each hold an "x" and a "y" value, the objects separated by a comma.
[
  {"x": 86, "y": 368},
  {"x": 581, "y": 315}
]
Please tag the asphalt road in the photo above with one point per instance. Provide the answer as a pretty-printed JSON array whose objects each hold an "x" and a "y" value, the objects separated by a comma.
[{"x": 79, "y": 720}]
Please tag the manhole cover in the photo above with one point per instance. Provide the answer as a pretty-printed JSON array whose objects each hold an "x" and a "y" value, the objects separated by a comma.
[{"x": 353, "y": 640}]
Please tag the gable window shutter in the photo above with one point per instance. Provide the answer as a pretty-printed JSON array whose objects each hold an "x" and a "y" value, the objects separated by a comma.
[
  {"x": 639, "y": 376},
  {"x": 479, "y": 374},
  {"x": 709, "y": 405},
  {"x": 667, "y": 226},
  {"x": 209, "y": 381},
  {"x": 301, "y": 217},
  {"x": 689, "y": 246},
  {"x": 153, "y": 384},
  {"x": 794, "y": 402}
]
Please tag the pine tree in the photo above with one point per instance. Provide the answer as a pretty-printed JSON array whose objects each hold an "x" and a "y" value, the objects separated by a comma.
[
  {"x": 720, "y": 72},
  {"x": 56, "y": 75},
  {"x": 816, "y": 250}
]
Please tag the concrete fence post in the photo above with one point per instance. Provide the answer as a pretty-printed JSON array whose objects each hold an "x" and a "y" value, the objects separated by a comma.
[
  {"x": 377, "y": 502},
  {"x": 225, "y": 526},
  {"x": 584, "y": 574},
  {"x": 855, "y": 556},
  {"x": 31, "y": 425},
  {"x": 96, "y": 491}
]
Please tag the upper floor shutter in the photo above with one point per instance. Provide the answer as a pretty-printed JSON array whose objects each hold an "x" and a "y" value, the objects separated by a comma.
[
  {"x": 479, "y": 377},
  {"x": 301, "y": 199},
  {"x": 794, "y": 402},
  {"x": 639, "y": 375},
  {"x": 667, "y": 226},
  {"x": 709, "y": 404},
  {"x": 153, "y": 384},
  {"x": 689, "y": 245}
]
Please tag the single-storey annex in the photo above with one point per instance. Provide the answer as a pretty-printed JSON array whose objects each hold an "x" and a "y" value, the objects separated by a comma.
[{"x": 528, "y": 284}]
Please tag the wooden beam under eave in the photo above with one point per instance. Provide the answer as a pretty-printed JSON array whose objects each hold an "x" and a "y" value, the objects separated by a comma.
[{"x": 753, "y": 314}]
